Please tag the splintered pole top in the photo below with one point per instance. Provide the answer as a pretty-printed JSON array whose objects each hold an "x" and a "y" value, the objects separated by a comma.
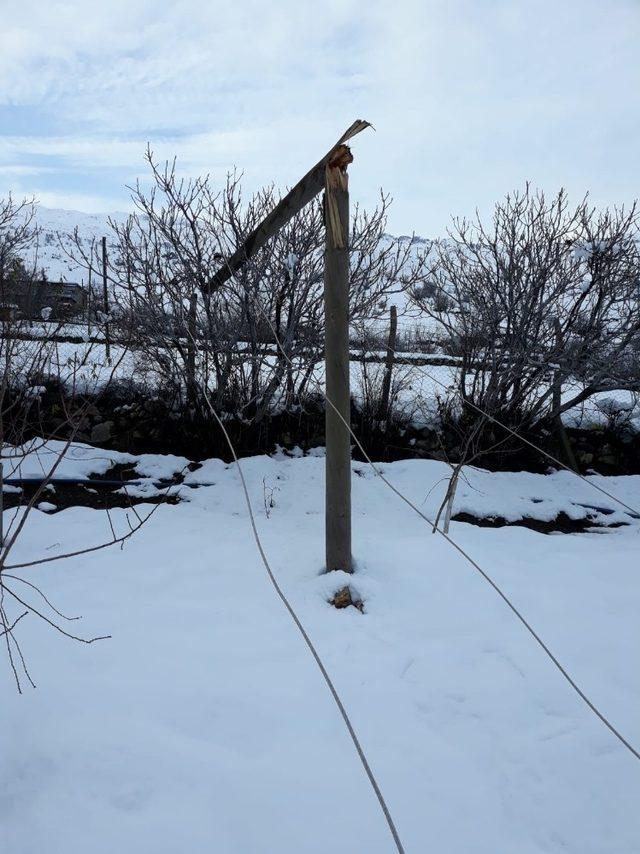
[{"x": 337, "y": 158}]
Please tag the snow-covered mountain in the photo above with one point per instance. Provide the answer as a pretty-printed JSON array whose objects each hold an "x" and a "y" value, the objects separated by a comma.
[{"x": 55, "y": 244}]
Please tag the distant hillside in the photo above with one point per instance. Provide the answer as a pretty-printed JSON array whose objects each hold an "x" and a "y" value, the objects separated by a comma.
[
  {"x": 56, "y": 235},
  {"x": 56, "y": 242}
]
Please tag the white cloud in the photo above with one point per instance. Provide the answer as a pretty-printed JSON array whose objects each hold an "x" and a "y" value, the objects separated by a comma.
[
  {"x": 85, "y": 202},
  {"x": 469, "y": 99},
  {"x": 15, "y": 170}
]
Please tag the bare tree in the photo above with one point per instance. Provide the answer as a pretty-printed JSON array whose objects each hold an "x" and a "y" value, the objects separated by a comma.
[
  {"x": 17, "y": 231},
  {"x": 33, "y": 369}
]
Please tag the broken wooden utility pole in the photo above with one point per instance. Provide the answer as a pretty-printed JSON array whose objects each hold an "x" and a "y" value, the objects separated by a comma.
[
  {"x": 107, "y": 337},
  {"x": 336, "y": 336},
  {"x": 330, "y": 175}
]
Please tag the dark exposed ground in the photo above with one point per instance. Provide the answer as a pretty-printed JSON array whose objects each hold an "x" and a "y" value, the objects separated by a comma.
[
  {"x": 124, "y": 420},
  {"x": 100, "y": 492},
  {"x": 562, "y": 523}
]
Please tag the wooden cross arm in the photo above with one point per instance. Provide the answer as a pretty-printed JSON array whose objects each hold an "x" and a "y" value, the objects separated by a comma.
[{"x": 304, "y": 191}]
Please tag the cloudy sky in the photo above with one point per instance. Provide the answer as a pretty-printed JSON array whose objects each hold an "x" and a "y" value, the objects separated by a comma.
[{"x": 469, "y": 98}]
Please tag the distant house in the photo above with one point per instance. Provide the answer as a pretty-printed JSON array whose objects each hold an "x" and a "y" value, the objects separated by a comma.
[{"x": 65, "y": 299}]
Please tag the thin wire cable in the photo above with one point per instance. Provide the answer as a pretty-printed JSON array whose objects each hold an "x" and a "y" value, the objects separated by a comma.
[
  {"x": 473, "y": 563},
  {"x": 307, "y": 639}
]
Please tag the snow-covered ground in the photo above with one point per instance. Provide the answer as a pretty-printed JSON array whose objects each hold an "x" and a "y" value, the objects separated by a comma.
[
  {"x": 418, "y": 387},
  {"x": 203, "y": 725}
]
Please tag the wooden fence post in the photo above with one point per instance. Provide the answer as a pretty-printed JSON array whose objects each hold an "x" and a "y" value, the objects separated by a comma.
[
  {"x": 191, "y": 348},
  {"x": 565, "y": 445},
  {"x": 89, "y": 303},
  {"x": 338, "y": 407},
  {"x": 1, "y": 506},
  {"x": 107, "y": 337},
  {"x": 388, "y": 368}
]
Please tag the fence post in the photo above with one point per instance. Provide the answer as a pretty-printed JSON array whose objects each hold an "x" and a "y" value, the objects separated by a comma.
[
  {"x": 89, "y": 303},
  {"x": 191, "y": 348},
  {"x": 556, "y": 402},
  {"x": 1, "y": 506},
  {"x": 106, "y": 300},
  {"x": 336, "y": 301},
  {"x": 388, "y": 368}
]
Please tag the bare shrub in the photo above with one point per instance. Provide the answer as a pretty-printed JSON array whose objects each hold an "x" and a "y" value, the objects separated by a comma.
[
  {"x": 46, "y": 391},
  {"x": 542, "y": 305}
]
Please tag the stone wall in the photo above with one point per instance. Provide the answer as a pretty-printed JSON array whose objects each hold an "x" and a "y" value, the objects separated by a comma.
[{"x": 126, "y": 422}]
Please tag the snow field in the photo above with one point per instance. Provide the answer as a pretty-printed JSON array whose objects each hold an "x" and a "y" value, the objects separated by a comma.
[{"x": 204, "y": 725}]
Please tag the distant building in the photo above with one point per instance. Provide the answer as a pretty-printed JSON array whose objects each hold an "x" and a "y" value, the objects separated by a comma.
[{"x": 27, "y": 298}]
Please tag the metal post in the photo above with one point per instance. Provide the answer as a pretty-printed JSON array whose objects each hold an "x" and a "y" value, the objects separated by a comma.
[
  {"x": 337, "y": 418},
  {"x": 106, "y": 300}
]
